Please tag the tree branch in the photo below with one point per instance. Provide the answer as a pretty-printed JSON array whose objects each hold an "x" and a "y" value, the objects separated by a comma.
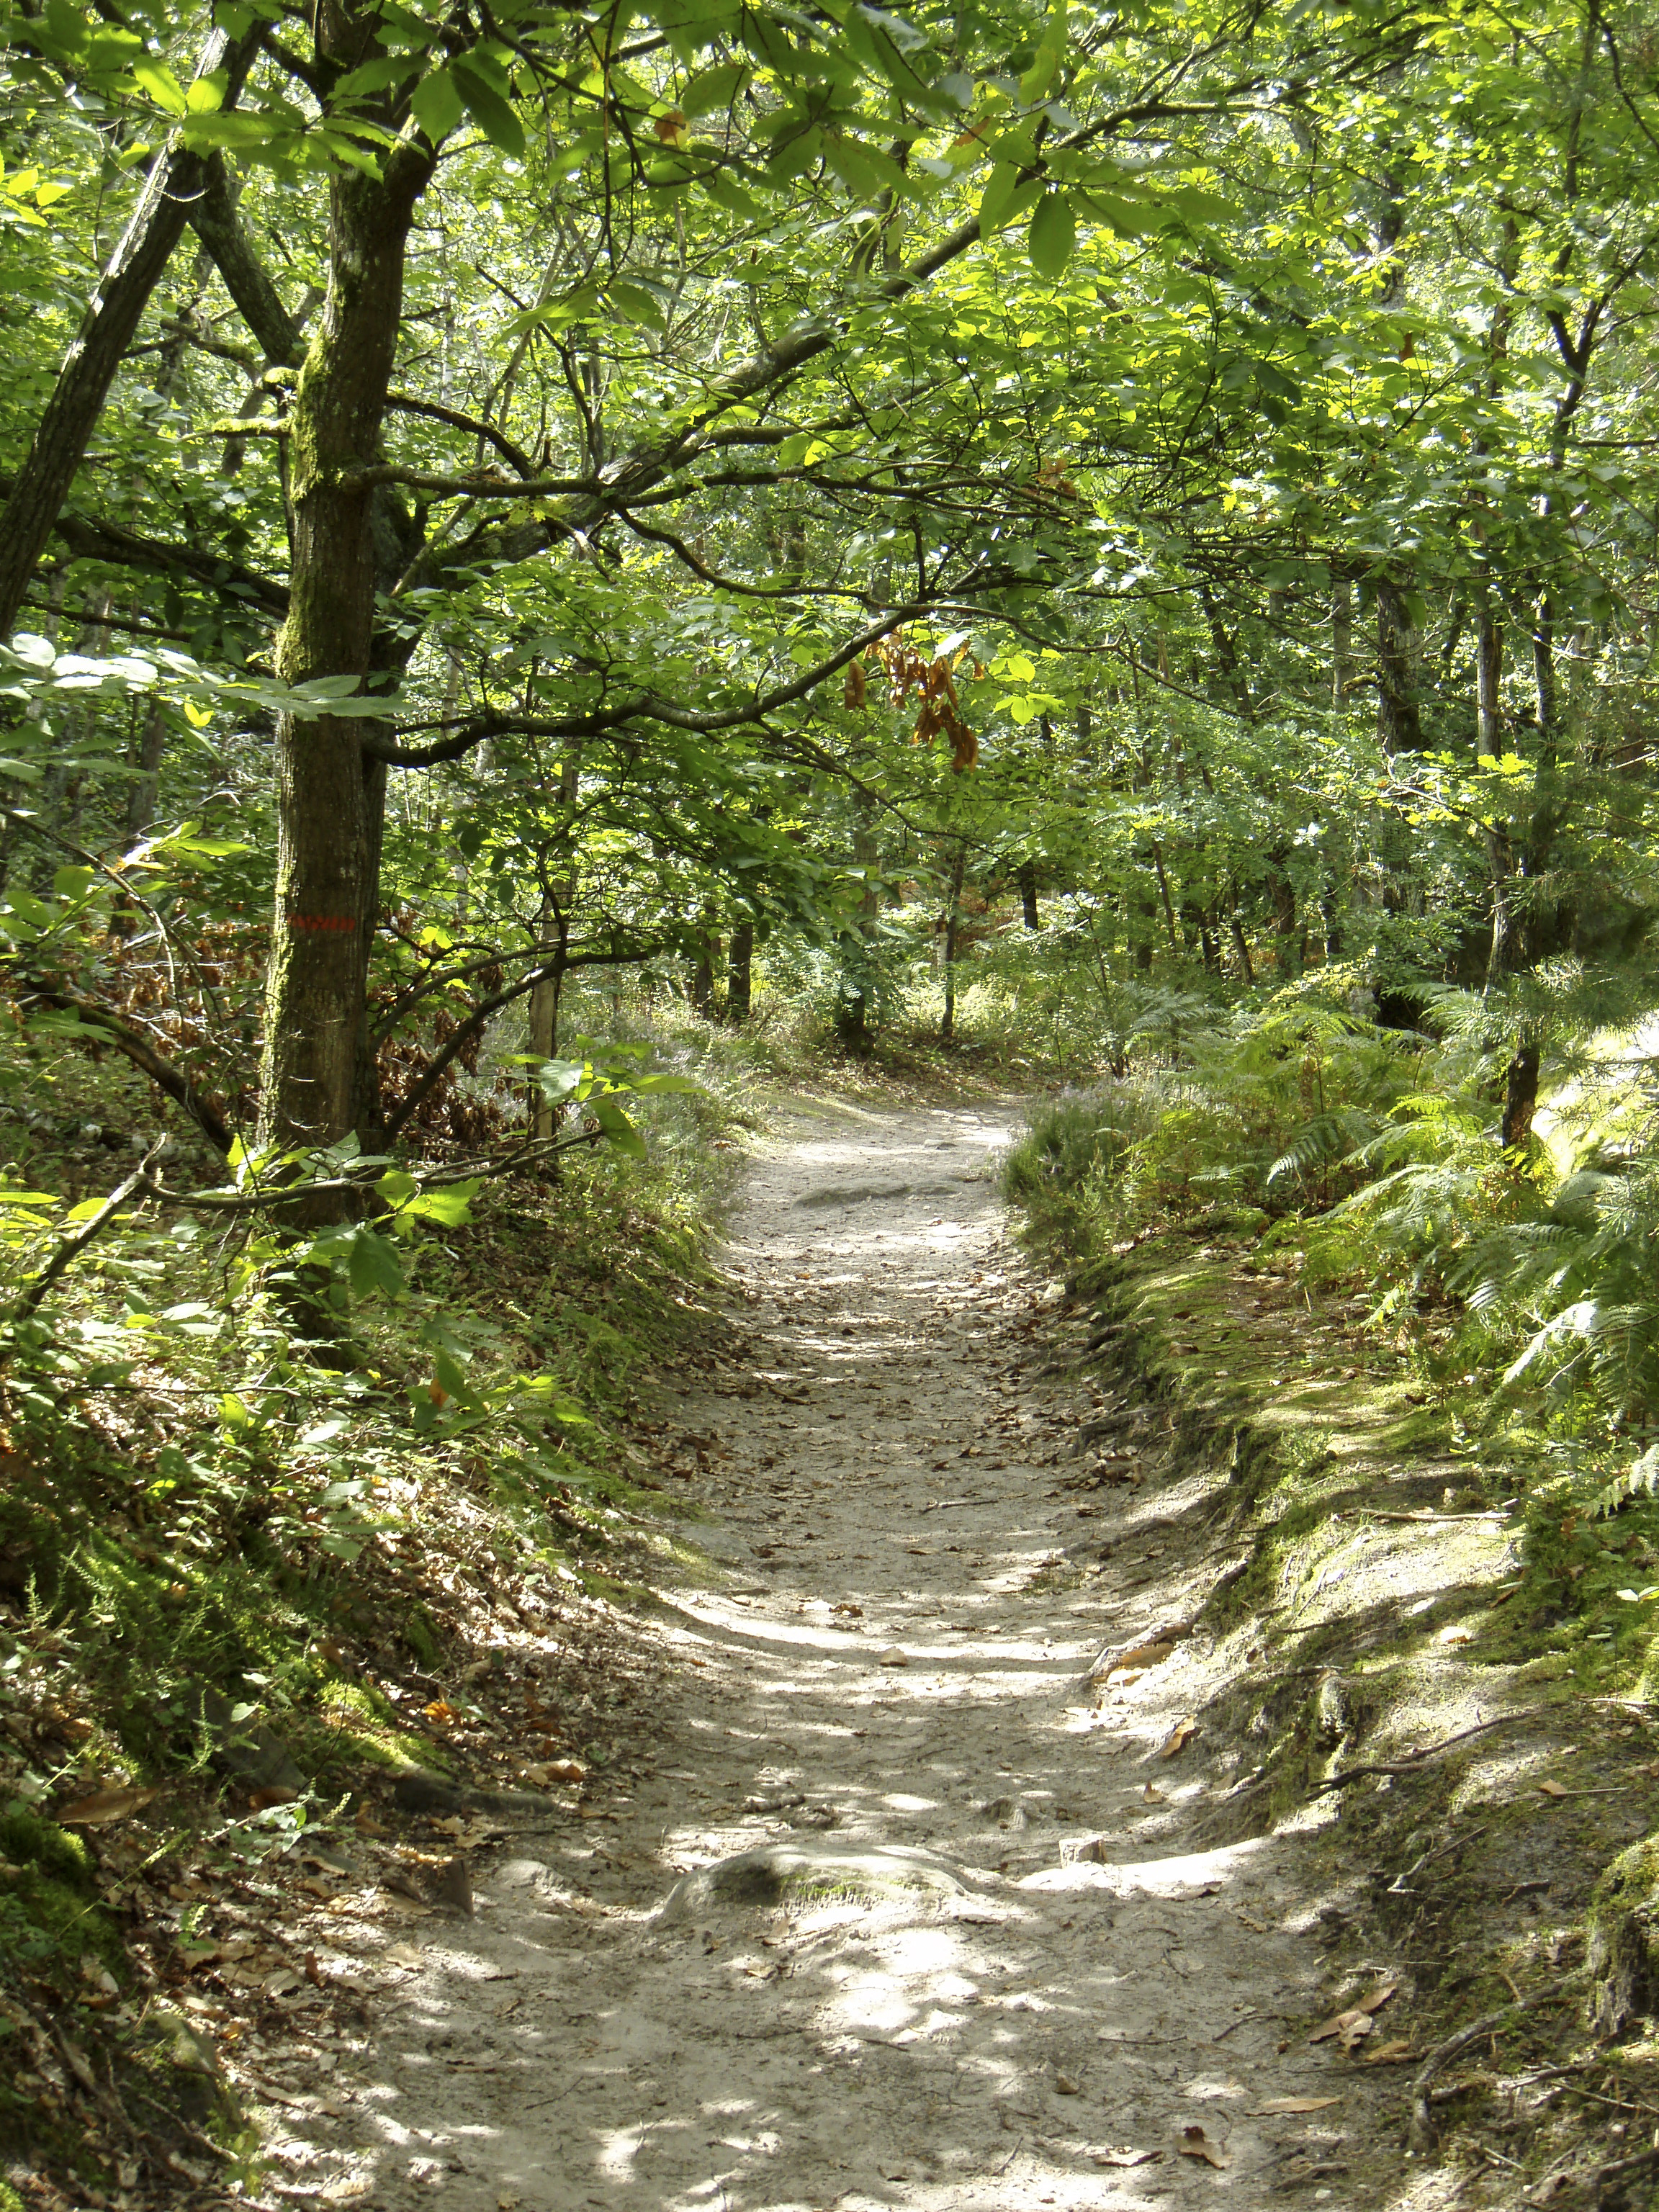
[
  {"x": 646, "y": 705},
  {"x": 163, "y": 1073},
  {"x": 214, "y": 219},
  {"x": 72, "y": 1247}
]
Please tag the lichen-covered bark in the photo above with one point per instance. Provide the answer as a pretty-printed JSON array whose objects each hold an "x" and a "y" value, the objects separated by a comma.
[{"x": 328, "y": 796}]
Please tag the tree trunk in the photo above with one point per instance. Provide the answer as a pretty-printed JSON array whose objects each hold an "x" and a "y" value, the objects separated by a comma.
[
  {"x": 330, "y": 797},
  {"x": 543, "y": 1040},
  {"x": 1341, "y": 643},
  {"x": 156, "y": 224},
  {"x": 1168, "y": 903},
  {"x": 143, "y": 790},
  {"x": 947, "y": 1028},
  {"x": 1520, "y": 1097},
  {"x": 1028, "y": 894},
  {"x": 1398, "y": 716},
  {"x": 1488, "y": 683},
  {"x": 702, "y": 979},
  {"x": 853, "y": 1000},
  {"x": 740, "y": 973}
]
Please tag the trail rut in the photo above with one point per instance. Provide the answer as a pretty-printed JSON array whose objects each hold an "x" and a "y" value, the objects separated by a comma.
[{"x": 908, "y": 1913}]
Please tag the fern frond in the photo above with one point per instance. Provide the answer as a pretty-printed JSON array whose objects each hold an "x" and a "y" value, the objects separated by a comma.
[{"x": 1640, "y": 1478}]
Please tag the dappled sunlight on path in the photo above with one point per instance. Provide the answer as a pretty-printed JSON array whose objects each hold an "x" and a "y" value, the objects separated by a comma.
[{"x": 911, "y": 1914}]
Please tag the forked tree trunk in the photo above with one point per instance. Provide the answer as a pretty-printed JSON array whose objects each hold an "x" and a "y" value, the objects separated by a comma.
[
  {"x": 330, "y": 797},
  {"x": 157, "y": 223}
]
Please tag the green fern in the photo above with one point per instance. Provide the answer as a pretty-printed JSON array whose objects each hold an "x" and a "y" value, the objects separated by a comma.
[{"x": 1640, "y": 1478}]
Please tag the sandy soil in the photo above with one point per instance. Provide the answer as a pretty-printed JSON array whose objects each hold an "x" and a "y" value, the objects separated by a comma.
[{"x": 968, "y": 1956}]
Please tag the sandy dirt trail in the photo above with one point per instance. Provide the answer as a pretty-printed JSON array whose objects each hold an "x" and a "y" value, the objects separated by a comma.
[{"x": 900, "y": 1978}]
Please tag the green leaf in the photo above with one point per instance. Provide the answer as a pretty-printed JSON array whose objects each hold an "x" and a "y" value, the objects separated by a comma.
[
  {"x": 436, "y": 101},
  {"x": 560, "y": 1079},
  {"x": 494, "y": 116},
  {"x": 618, "y": 1130},
  {"x": 372, "y": 1265},
  {"x": 633, "y": 304},
  {"x": 451, "y": 1376},
  {"x": 1052, "y": 235},
  {"x": 714, "y": 88},
  {"x": 997, "y": 202},
  {"x": 155, "y": 78},
  {"x": 449, "y": 1207}
]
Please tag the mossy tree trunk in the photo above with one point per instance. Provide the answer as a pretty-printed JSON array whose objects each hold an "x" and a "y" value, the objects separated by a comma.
[{"x": 330, "y": 796}]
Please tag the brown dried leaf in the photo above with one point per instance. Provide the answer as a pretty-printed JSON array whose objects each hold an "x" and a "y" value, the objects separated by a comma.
[
  {"x": 1141, "y": 1655},
  {"x": 1397, "y": 2053},
  {"x": 1554, "y": 1789},
  {"x": 1297, "y": 2104},
  {"x": 1194, "y": 2143},
  {"x": 1347, "y": 2024},
  {"x": 104, "y": 1806},
  {"x": 1126, "y": 2156},
  {"x": 1178, "y": 1738}
]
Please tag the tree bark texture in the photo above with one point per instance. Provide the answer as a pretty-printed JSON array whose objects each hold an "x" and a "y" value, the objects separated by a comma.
[
  {"x": 740, "y": 973},
  {"x": 1399, "y": 714},
  {"x": 1488, "y": 685},
  {"x": 1520, "y": 1097},
  {"x": 947, "y": 1028},
  {"x": 330, "y": 796},
  {"x": 1341, "y": 643},
  {"x": 1026, "y": 877}
]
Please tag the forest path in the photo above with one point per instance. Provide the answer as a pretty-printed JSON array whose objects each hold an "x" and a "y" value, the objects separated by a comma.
[{"x": 947, "y": 2009}]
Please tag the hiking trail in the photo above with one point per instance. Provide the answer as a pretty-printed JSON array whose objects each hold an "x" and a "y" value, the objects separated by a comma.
[{"x": 906, "y": 1910}]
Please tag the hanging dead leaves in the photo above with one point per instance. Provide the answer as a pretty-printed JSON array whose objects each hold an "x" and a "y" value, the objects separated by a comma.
[{"x": 908, "y": 670}]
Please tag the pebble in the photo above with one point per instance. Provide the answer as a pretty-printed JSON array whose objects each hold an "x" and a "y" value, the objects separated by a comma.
[{"x": 892, "y": 1657}]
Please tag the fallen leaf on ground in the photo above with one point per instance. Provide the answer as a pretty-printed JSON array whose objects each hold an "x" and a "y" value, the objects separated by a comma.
[
  {"x": 1396, "y": 2053},
  {"x": 1549, "y": 1789},
  {"x": 1347, "y": 2024},
  {"x": 1121, "y": 1677},
  {"x": 546, "y": 1771},
  {"x": 1141, "y": 1655},
  {"x": 103, "y": 1807},
  {"x": 1298, "y": 2104},
  {"x": 1151, "y": 1795},
  {"x": 1194, "y": 2143},
  {"x": 1178, "y": 1738},
  {"x": 1126, "y": 2156}
]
